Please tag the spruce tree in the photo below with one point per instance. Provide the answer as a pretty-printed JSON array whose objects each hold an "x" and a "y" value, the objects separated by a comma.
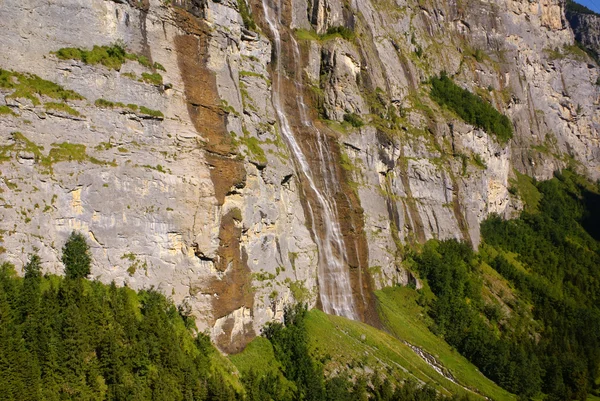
[{"x": 76, "y": 256}]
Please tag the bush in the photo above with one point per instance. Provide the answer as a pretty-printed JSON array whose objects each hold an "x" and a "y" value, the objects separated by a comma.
[
  {"x": 354, "y": 120},
  {"x": 246, "y": 14},
  {"x": 345, "y": 33},
  {"x": 76, "y": 256}
]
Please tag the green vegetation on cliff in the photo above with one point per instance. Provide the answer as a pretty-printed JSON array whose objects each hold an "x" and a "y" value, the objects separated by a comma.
[
  {"x": 471, "y": 108},
  {"x": 32, "y": 87},
  {"x": 112, "y": 57}
]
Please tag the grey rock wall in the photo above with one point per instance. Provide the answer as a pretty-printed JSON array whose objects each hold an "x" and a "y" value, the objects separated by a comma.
[{"x": 152, "y": 195}]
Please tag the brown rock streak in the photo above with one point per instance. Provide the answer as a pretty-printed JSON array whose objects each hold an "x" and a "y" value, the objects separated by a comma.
[{"x": 232, "y": 288}]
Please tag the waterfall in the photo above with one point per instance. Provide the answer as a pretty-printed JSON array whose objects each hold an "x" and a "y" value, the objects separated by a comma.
[{"x": 334, "y": 278}]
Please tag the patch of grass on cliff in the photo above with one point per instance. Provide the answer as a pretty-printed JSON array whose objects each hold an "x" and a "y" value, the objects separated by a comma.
[
  {"x": 67, "y": 152},
  {"x": 59, "y": 153},
  {"x": 354, "y": 120},
  {"x": 576, "y": 51},
  {"x": 339, "y": 32},
  {"x": 32, "y": 87},
  {"x": 70, "y": 152},
  {"x": 112, "y": 57},
  {"x": 525, "y": 188},
  {"x": 471, "y": 108},
  {"x": 6, "y": 110},
  {"x": 152, "y": 113},
  {"x": 61, "y": 107},
  {"x": 107, "y": 104},
  {"x": 253, "y": 146},
  {"x": 154, "y": 78},
  {"x": 21, "y": 143}
]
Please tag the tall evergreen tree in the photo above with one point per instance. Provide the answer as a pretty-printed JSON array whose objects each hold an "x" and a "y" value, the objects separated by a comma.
[{"x": 76, "y": 256}]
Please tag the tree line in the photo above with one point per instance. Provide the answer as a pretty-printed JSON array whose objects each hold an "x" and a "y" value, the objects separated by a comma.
[
  {"x": 555, "y": 272},
  {"x": 67, "y": 337}
]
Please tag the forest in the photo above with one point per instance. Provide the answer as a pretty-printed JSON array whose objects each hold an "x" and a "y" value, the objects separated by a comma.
[
  {"x": 550, "y": 257},
  {"x": 65, "y": 338}
]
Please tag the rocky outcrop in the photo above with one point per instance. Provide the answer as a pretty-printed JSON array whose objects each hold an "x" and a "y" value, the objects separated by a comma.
[
  {"x": 190, "y": 186},
  {"x": 586, "y": 26}
]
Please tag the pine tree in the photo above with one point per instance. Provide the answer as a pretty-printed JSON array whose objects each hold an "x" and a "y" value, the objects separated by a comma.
[{"x": 76, "y": 256}]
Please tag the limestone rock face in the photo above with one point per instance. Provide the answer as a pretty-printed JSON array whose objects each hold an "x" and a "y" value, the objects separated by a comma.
[{"x": 189, "y": 186}]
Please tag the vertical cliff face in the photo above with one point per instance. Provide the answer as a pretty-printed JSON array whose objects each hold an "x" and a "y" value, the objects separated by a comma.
[
  {"x": 586, "y": 26},
  {"x": 286, "y": 150}
]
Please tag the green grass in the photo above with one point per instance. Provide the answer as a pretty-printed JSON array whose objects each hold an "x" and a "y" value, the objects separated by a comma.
[
  {"x": 61, "y": 107},
  {"x": 525, "y": 188},
  {"x": 304, "y": 34},
  {"x": 107, "y": 104},
  {"x": 258, "y": 356},
  {"x": 408, "y": 321},
  {"x": 150, "y": 112},
  {"x": 67, "y": 152},
  {"x": 6, "y": 110},
  {"x": 21, "y": 143},
  {"x": 354, "y": 120},
  {"x": 567, "y": 51},
  {"x": 246, "y": 14},
  {"x": 59, "y": 153},
  {"x": 158, "y": 168},
  {"x": 340, "y": 343},
  {"x": 154, "y": 78},
  {"x": 32, "y": 87},
  {"x": 112, "y": 57},
  {"x": 253, "y": 145}
]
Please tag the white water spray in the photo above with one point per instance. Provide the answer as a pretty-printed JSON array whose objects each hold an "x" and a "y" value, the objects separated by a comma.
[{"x": 334, "y": 277}]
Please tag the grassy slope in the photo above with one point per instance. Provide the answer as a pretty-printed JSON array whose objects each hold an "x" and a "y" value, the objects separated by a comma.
[
  {"x": 259, "y": 357},
  {"x": 406, "y": 320},
  {"x": 341, "y": 343}
]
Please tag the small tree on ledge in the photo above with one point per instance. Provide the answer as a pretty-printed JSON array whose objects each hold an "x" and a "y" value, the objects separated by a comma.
[{"x": 76, "y": 256}]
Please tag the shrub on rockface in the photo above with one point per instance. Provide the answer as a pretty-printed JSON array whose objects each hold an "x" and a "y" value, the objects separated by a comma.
[{"x": 76, "y": 256}]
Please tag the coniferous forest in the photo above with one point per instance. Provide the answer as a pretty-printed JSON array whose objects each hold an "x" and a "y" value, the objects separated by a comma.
[
  {"x": 64, "y": 338},
  {"x": 69, "y": 338}
]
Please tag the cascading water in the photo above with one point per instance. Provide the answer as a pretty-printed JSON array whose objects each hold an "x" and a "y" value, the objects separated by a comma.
[{"x": 334, "y": 278}]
